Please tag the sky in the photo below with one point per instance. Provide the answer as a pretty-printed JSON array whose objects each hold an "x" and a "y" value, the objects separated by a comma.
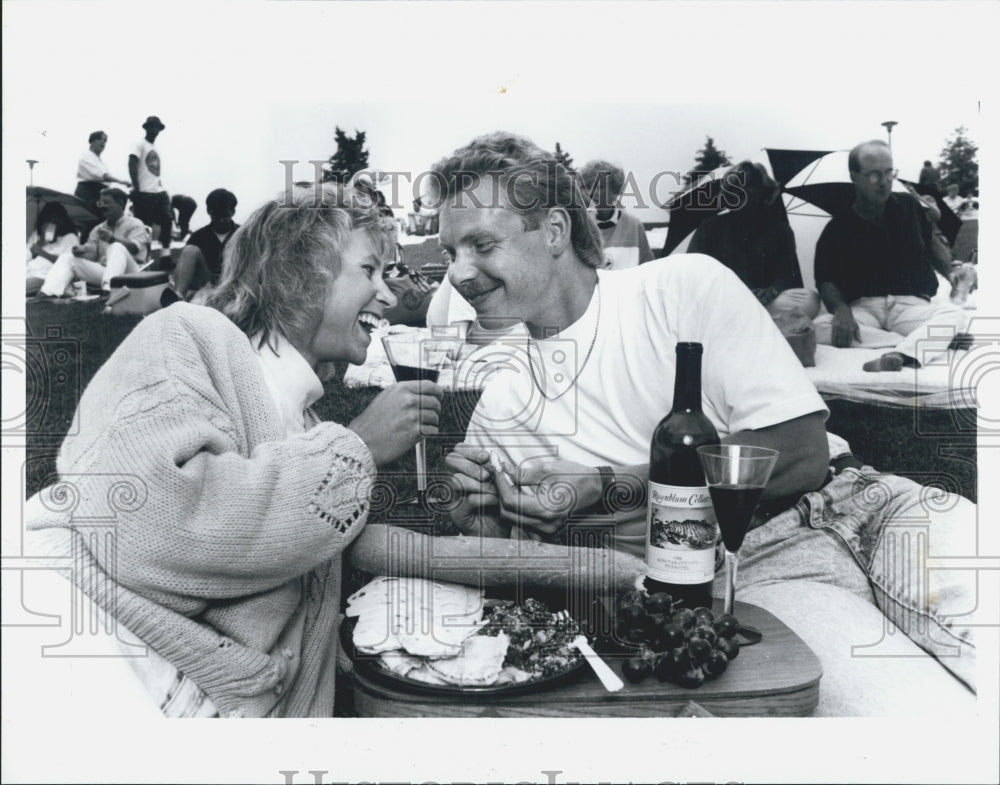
[
  {"x": 235, "y": 106},
  {"x": 243, "y": 86}
]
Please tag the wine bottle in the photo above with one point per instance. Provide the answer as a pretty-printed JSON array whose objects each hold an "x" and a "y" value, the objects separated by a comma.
[{"x": 681, "y": 529}]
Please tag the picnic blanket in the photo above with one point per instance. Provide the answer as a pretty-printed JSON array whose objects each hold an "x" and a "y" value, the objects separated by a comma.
[{"x": 838, "y": 374}]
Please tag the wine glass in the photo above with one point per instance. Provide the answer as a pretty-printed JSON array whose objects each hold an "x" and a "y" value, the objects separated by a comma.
[
  {"x": 415, "y": 356},
  {"x": 736, "y": 475}
]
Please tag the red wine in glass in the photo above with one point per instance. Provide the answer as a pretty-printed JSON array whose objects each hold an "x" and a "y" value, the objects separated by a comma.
[
  {"x": 734, "y": 506},
  {"x": 417, "y": 357},
  {"x": 407, "y": 373},
  {"x": 736, "y": 476}
]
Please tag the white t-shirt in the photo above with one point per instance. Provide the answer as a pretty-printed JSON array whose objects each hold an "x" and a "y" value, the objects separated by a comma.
[
  {"x": 149, "y": 166},
  {"x": 90, "y": 167},
  {"x": 751, "y": 379}
]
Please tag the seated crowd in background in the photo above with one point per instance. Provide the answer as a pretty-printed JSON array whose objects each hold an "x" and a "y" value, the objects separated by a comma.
[
  {"x": 622, "y": 234},
  {"x": 755, "y": 241},
  {"x": 184, "y": 208},
  {"x": 200, "y": 261},
  {"x": 115, "y": 246},
  {"x": 54, "y": 234}
]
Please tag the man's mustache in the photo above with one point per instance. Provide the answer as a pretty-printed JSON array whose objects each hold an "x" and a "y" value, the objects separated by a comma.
[{"x": 474, "y": 289}]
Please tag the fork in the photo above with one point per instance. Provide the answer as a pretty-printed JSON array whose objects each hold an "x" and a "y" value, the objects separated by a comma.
[{"x": 603, "y": 671}]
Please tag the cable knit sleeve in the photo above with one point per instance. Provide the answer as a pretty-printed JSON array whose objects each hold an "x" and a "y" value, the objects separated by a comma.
[{"x": 229, "y": 505}]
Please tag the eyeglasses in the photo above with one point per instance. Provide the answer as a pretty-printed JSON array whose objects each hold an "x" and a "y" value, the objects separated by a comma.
[{"x": 877, "y": 177}]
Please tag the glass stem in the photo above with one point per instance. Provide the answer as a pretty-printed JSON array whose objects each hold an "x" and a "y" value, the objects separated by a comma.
[
  {"x": 421, "y": 450},
  {"x": 731, "y": 562}
]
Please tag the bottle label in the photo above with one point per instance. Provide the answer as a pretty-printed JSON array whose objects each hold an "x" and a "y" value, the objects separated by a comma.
[{"x": 681, "y": 532}]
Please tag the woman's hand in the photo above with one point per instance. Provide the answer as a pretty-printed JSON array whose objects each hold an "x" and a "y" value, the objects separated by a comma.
[
  {"x": 546, "y": 493},
  {"x": 477, "y": 510},
  {"x": 398, "y": 418}
]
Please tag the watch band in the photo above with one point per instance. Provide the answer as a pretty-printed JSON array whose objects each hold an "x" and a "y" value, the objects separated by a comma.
[{"x": 607, "y": 489}]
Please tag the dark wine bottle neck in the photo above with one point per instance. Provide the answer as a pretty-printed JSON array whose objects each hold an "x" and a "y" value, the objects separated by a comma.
[{"x": 687, "y": 382}]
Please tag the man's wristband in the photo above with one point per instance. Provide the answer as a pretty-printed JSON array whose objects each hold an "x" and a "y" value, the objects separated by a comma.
[{"x": 607, "y": 490}]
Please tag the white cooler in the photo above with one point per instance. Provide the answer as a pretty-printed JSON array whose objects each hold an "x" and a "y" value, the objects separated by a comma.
[{"x": 137, "y": 292}]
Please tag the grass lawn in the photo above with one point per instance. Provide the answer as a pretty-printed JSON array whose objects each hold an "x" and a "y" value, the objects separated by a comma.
[{"x": 74, "y": 339}]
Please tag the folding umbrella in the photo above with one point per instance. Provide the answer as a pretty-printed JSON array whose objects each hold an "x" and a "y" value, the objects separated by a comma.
[
  {"x": 79, "y": 213},
  {"x": 690, "y": 207},
  {"x": 785, "y": 164}
]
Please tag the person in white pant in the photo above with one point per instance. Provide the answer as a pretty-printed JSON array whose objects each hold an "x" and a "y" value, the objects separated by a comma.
[
  {"x": 875, "y": 270},
  {"x": 116, "y": 246}
]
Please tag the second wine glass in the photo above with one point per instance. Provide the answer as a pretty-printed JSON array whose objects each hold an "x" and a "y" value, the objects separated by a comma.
[{"x": 736, "y": 475}]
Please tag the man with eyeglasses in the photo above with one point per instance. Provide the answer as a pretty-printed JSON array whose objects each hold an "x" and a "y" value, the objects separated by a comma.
[{"x": 875, "y": 271}]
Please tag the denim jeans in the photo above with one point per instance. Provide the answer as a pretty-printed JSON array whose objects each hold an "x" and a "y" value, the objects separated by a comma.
[{"x": 876, "y": 536}]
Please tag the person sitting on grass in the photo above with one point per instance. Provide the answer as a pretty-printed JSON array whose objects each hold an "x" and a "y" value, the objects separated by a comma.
[
  {"x": 116, "y": 246},
  {"x": 756, "y": 242},
  {"x": 54, "y": 234},
  {"x": 875, "y": 270},
  {"x": 622, "y": 234},
  {"x": 573, "y": 414},
  {"x": 229, "y": 566},
  {"x": 200, "y": 262}
]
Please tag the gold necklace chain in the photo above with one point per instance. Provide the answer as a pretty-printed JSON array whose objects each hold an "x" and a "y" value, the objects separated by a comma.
[{"x": 531, "y": 365}]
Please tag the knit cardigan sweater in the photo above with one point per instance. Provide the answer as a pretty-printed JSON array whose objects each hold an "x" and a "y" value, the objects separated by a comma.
[{"x": 225, "y": 534}]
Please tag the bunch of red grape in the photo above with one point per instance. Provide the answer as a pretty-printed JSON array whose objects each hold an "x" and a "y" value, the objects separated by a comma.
[{"x": 676, "y": 644}]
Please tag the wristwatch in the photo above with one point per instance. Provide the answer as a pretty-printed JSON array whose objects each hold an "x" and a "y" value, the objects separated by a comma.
[{"x": 607, "y": 490}]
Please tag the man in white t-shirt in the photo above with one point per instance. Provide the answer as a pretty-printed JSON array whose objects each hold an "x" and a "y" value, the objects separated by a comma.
[
  {"x": 573, "y": 414},
  {"x": 150, "y": 200},
  {"x": 92, "y": 175}
]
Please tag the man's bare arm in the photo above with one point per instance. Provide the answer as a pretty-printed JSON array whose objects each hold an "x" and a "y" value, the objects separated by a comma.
[
  {"x": 805, "y": 455},
  {"x": 133, "y": 171},
  {"x": 802, "y": 467},
  {"x": 845, "y": 327}
]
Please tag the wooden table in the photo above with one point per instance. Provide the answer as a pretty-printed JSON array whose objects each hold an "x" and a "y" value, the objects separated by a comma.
[{"x": 778, "y": 677}]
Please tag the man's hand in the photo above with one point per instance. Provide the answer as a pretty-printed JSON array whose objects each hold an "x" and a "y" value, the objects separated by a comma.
[
  {"x": 477, "y": 510},
  {"x": 104, "y": 234},
  {"x": 546, "y": 493},
  {"x": 845, "y": 328},
  {"x": 35, "y": 249},
  {"x": 79, "y": 250},
  {"x": 398, "y": 418}
]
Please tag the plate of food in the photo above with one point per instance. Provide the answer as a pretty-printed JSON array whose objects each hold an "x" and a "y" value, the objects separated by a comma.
[{"x": 447, "y": 639}]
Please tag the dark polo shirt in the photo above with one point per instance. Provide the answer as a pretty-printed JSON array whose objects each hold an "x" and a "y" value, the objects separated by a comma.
[
  {"x": 211, "y": 248},
  {"x": 874, "y": 260}
]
